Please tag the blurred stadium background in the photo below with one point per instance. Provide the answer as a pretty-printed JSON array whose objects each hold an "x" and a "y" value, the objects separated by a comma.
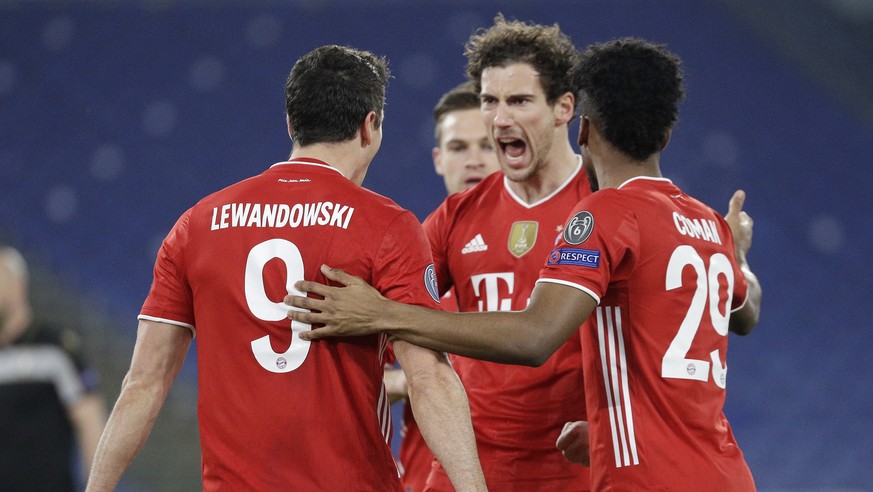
[{"x": 116, "y": 116}]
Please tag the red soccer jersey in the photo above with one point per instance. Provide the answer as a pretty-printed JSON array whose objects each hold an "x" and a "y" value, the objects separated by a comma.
[
  {"x": 662, "y": 266},
  {"x": 490, "y": 245},
  {"x": 277, "y": 412}
]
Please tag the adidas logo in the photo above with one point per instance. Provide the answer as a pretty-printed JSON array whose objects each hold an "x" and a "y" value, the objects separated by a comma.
[{"x": 475, "y": 245}]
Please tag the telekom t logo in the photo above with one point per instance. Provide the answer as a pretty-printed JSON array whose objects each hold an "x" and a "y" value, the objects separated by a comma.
[{"x": 490, "y": 296}]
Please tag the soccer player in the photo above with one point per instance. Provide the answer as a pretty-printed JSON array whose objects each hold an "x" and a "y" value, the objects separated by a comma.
[
  {"x": 658, "y": 276},
  {"x": 49, "y": 400},
  {"x": 488, "y": 243},
  {"x": 464, "y": 155},
  {"x": 277, "y": 412}
]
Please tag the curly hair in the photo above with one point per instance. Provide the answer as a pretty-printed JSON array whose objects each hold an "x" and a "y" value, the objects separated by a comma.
[
  {"x": 331, "y": 90},
  {"x": 548, "y": 50},
  {"x": 631, "y": 89}
]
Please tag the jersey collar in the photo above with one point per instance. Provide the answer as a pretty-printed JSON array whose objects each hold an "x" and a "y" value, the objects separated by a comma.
[
  {"x": 550, "y": 195},
  {"x": 644, "y": 178},
  {"x": 308, "y": 161}
]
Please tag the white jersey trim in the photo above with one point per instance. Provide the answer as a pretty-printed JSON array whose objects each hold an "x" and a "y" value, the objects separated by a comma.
[
  {"x": 645, "y": 178},
  {"x": 550, "y": 195},
  {"x": 745, "y": 300},
  {"x": 572, "y": 284},
  {"x": 613, "y": 361},
  {"x": 383, "y": 404},
  {"x": 169, "y": 322},
  {"x": 304, "y": 163}
]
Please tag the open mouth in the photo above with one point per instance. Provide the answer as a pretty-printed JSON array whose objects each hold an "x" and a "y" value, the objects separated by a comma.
[{"x": 513, "y": 149}]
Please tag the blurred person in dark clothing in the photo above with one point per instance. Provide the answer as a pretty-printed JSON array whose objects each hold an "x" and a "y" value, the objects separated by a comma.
[{"x": 48, "y": 397}]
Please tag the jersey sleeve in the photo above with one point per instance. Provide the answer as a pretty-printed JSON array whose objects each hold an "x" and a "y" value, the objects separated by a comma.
[
  {"x": 595, "y": 247},
  {"x": 403, "y": 269},
  {"x": 170, "y": 299},
  {"x": 436, "y": 229},
  {"x": 741, "y": 285}
]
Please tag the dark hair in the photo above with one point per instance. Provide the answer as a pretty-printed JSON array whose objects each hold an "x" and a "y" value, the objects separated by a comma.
[
  {"x": 549, "y": 51},
  {"x": 631, "y": 89},
  {"x": 331, "y": 90},
  {"x": 462, "y": 96}
]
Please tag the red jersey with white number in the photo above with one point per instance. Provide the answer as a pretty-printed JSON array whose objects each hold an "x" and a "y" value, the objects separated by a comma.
[
  {"x": 662, "y": 266},
  {"x": 490, "y": 245},
  {"x": 277, "y": 412}
]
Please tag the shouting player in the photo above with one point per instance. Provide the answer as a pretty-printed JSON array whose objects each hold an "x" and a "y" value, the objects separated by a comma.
[
  {"x": 657, "y": 276},
  {"x": 488, "y": 243}
]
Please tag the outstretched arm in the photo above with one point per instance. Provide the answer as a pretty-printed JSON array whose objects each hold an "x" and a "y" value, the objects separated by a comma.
[
  {"x": 157, "y": 357},
  {"x": 743, "y": 320},
  {"x": 440, "y": 406},
  {"x": 526, "y": 337}
]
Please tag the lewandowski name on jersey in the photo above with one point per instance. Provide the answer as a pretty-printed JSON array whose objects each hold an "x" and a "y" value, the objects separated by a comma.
[{"x": 281, "y": 215}]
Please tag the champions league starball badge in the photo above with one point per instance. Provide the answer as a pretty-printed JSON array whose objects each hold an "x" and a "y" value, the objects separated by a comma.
[{"x": 579, "y": 228}]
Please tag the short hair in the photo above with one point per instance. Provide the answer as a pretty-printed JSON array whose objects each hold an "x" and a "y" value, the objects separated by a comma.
[
  {"x": 331, "y": 90},
  {"x": 548, "y": 50},
  {"x": 631, "y": 89},
  {"x": 462, "y": 96}
]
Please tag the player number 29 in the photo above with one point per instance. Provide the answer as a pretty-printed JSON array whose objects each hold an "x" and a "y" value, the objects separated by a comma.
[
  {"x": 675, "y": 363},
  {"x": 264, "y": 309}
]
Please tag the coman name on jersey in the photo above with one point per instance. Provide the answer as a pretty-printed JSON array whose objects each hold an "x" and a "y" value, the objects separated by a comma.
[{"x": 281, "y": 215}]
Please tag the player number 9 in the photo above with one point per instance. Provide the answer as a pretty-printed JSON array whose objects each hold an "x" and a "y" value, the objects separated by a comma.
[{"x": 265, "y": 309}]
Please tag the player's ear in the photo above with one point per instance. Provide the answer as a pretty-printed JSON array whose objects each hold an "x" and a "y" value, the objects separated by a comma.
[
  {"x": 564, "y": 108},
  {"x": 584, "y": 128},
  {"x": 288, "y": 123},
  {"x": 667, "y": 139},
  {"x": 366, "y": 129},
  {"x": 437, "y": 164}
]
